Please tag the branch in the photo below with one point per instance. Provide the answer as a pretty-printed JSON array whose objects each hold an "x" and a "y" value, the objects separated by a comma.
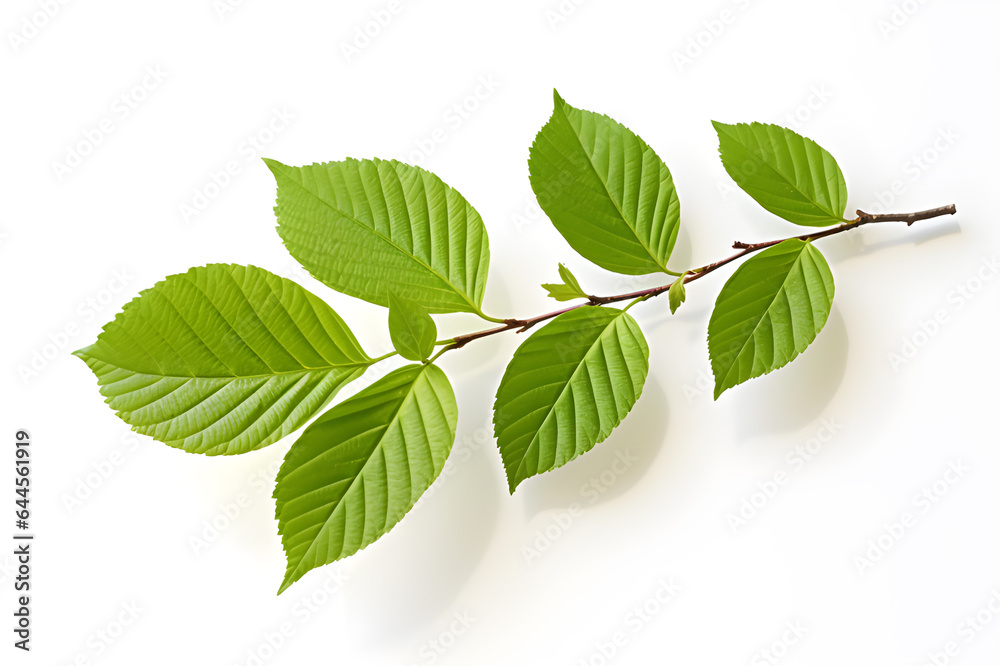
[
  {"x": 522, "y": 325},
  {"x": 909, "y": 218}
]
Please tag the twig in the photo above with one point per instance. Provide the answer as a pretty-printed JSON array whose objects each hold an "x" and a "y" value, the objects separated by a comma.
[
  {"x": 522, "y": 325},
  {"x": 909, "y": 218}
]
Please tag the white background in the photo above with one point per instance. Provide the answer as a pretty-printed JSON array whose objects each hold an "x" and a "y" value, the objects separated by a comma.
[{"x": 77, "y": 245}]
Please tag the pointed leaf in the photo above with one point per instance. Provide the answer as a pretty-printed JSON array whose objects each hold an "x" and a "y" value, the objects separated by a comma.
[
  {"x": 605, "y": 190},
  {"x": 567, "y": 387},
  {"x": 359, "y": 468},
  {"x": 768, "y": 312},
  {"x": 569, "y": 289},
  {"x": 369, "y": 228},
  {"x": 411, "y": 329},
  {"x": 223, "y": 359},
  {"x": 786, "y": 173}
]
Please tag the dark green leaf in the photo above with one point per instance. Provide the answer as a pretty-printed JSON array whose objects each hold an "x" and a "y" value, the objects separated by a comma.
[
  {"x": 605, "y": 190},
  {"x": 786, "y": 173},
  {"x": 768, "y": 312}
]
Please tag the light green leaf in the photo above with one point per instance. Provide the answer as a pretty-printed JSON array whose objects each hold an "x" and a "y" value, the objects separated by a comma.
[
  {"x": 411, "y": 329},
  {"x": 569, "y": 289},
  {"x": 357, "y": 470},
  {"x": 369, "y": 228},
  {"x": 566, "y": 389},
  {"x": 677, "y": 293},
  {"x": 605, "y": 190},
  {"x": 223, "y": 359},
  {"x": 768, "y": 312},
  {"x": 786, "y": 173}
]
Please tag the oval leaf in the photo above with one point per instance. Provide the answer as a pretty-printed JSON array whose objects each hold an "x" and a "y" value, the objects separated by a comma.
[
  {"x": 567, "y": 387},
  {"x": 768, "y": 312},
  {"x": 369, "y": 228},
  {"x": 223, "y": 359},
  {"x": 411, "y": 329},
  {"x": 357, "y": 470},
  {"x": 605, "y": 190},
  {"x": 784, "y": 172}
]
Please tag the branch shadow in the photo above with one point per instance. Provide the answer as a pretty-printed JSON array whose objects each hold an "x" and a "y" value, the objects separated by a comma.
[{"x": 852, "y": 245}]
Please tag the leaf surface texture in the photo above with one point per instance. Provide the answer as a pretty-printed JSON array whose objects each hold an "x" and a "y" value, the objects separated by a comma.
[
  {"x": 223, "y": 359},
  {"x": 360, "y": 467},
  {"x": 566, "y": 388},
  {"x": 605, "y": 190},
  {"x": 369, "y": 228},
  {"x": 768, "y": 312}
]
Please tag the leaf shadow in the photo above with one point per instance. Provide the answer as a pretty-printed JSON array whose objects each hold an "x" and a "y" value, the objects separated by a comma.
[
  {"x": 404, "y": 584},
  {"x": 610, "y": 468},
  {"x": 681, "y": 255},
  {"x": 792, "y": 397}
]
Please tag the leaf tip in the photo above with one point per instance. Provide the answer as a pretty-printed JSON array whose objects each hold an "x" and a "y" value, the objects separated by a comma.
[
  {"x": 274, "y": 165},
  {"x": 510, "y": 471},
  {"x": 557, "y": 98},
  {"x": 719, "y": 390},
  {"x": 83, "y": 353},
  {"x": 721, "y": 127}
]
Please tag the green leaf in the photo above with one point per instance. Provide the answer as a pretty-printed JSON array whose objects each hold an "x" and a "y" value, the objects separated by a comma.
[
  {"x": 677, "y": 293},
  {"x": 605, "y": 190},
  {"x": 784, "y": 172},
  {"x": 768, "y": 312},
  {"x": 369, "y": 228},
  {"x": 566, "y": 389},
  {"x": 223, "y": 359},
  {"x": 357, "y": 470},
  {"x": 411, "y": 329},
  {"x": 569, "y": 289}
]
